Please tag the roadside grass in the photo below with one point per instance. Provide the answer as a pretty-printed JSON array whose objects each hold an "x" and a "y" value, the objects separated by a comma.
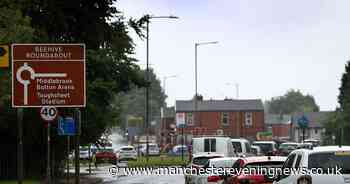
[
  {"x": 158, "y": 161},
  {"x": 15, "y": 182}
]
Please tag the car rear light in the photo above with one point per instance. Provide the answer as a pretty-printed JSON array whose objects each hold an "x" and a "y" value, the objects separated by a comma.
[{"x": 214, "y": 178}]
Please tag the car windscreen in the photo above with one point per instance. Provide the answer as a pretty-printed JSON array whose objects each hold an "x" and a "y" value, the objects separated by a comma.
[
  {"x": 202, "y": 160},
  {"x": 265, "y": 147},
  {"x": 237, "y": 146},
  {"x": 153, "y": 147},
  {"x": 288, "y": 146},
  {"x": 330, "y": 160},
  {"x": 105, "y": 150}
]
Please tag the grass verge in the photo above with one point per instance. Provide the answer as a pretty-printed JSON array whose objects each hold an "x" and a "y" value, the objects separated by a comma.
[
  {"x": 24, "y": 182},
  {"x": 159, "y": 161}
]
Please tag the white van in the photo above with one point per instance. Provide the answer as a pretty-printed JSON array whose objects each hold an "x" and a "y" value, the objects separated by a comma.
[
  {"x": 220, "y": 145},
  {"x": 242, "y": 147}
]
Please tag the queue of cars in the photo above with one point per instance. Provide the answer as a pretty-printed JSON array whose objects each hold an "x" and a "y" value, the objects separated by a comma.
[{"x": 307, "y": 163}]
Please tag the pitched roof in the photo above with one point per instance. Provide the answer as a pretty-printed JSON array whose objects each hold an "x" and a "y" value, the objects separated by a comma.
[
  {"x": 219, "y": 105},
  {"x": 316, "y": 119}
]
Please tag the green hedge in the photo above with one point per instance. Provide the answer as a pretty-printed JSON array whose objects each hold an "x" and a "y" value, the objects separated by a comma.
[{"x": 159, "y": 161}]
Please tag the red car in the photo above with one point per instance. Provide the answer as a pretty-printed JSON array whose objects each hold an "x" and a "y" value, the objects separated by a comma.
[
  {"x": 252, "y": 169},
  {"x": 106, "y": 155}
]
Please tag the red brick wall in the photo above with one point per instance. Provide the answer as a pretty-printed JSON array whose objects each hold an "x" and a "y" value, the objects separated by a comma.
[
  {"x": 258, "y": 125},
  {"x": 281, "y": 130},
  {"x": 211, "y": 122}
]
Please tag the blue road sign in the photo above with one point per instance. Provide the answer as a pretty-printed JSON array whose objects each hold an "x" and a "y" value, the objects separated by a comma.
[
  {"x": 181, "y": 126},
  {"x": 303, "y": 122},
  {"x": 66, "y": 126}
]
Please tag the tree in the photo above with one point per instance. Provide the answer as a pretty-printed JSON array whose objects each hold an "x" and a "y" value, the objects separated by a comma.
[
  {"x": 111, "y": 69},
  {"x": 293, "y": 101},
  {"x": 343, "y": 111},
  {"x": 133, "y": 103}
]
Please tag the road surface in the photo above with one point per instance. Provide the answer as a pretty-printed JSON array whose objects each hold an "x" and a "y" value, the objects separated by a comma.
[{"x": 103, "y": 172}]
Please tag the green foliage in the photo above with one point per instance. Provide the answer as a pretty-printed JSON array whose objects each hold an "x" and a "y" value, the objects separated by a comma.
[
  {"x": 110, "y": 69},
  {"x": 331, "y": 127},
  {"x": 135, "y": 121},
  {"x": 133, "y": 102},
  {"x": 162, "y": 161},
  {"x": 344, "y": 91},
  {"x": 293, "y": 101},
  {"x": 14, "y": 26},
  {"x": 342, "y": 116}
]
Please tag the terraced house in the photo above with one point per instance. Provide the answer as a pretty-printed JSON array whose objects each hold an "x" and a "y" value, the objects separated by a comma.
[{"x": 229, "y": 117}]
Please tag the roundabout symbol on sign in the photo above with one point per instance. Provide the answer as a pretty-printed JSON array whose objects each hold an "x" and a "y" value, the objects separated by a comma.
[{"x": 48, "y": 113}]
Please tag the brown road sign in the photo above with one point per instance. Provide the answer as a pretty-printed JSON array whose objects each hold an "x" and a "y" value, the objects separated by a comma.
[{"x": 48, "y": 75}]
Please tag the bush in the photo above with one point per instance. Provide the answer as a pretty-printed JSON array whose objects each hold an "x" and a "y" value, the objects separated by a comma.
[{"x": 161, "y": 161}]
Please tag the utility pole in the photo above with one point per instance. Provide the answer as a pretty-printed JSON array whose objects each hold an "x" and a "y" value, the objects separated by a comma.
[{"x": 147, "y": 89}]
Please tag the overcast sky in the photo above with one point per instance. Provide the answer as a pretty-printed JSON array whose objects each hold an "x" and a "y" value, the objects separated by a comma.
[{"x": 266, "y": 46}]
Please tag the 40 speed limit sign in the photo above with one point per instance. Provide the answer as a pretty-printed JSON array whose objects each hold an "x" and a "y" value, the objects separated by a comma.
[{"x": 48, "y": 113}]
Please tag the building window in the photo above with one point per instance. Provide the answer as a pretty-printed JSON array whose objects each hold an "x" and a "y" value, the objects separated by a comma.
[
  {"x": 316, "y": 131},
  {"x": 248, "y": 119},
  {"x": 189, "y": 118},
  {"x": 209, "y": 145},
  {"x": 224, "y": 118}
]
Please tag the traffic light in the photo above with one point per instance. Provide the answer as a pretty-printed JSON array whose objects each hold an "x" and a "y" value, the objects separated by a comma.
[{"x": 4, "y": 56}]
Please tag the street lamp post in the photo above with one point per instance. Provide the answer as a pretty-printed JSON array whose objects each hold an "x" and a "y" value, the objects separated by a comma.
[
  {"x": 196, "y": 77},
  {"x": 237, "y": 88},
  {"x": 164, "y": 81},
  {"x": 147, "y": 74}
]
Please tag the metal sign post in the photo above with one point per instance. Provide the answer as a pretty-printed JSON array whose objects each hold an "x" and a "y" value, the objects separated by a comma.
[
  {"x": 20, "y": 145},
  {"x": 66, "y": 127},
  {"x": 48, "y": 154},
  {"x": 77, "y": 144},
  {"x": 303, "y": 123},
  {"x": 48, "y": 114},
  {"x": 182, "y": 142},
  {"x": 46, "y": 75},
  {"x": 68, "y": 145}
]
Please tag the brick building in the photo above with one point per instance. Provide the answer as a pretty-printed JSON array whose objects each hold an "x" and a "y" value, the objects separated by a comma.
[
  {"x": 233, "y": 118},
  {"x": 279, "y": 125}
]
